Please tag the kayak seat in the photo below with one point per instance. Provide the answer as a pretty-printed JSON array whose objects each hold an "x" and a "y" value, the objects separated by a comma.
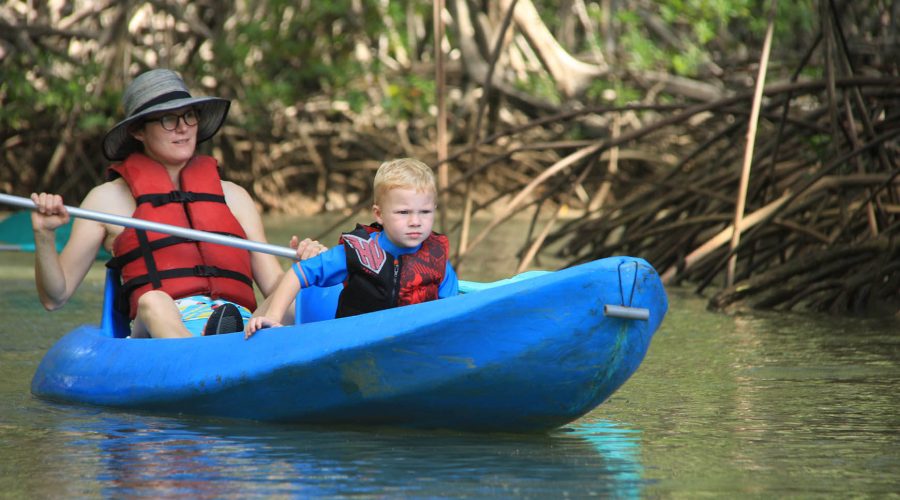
[
  {"x": 477, "y": 286},
  {"x": 113, "y": 323},
  {"x": 320, "y": 303},
  {"x": 316, "y": 304},
  {"x": 312, "y": 304}
]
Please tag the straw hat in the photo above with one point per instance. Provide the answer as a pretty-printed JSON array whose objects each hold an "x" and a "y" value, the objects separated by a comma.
[{"x": 160, "y": 90}]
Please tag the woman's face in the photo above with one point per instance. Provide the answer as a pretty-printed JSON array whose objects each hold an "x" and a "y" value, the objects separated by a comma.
[{"x": 172, "y": 148}]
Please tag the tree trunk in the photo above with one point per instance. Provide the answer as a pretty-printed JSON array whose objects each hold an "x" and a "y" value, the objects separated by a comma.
[{"x": 572, "y": 76}]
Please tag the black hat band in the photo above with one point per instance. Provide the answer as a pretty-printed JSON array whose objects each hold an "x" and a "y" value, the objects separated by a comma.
[{"x": 171, "y": 96}]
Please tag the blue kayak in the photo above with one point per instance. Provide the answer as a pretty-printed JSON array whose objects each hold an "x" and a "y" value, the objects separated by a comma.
[{"x": 527, "y": 354}]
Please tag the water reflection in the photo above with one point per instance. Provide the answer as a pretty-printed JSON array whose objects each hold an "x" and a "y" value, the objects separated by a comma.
[
  {"x": 620, "y": 447},
  {"x": 138, "y": 455}
]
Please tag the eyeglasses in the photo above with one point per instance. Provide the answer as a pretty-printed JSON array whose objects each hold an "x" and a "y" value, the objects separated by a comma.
[{"x": 170, "y": 121}]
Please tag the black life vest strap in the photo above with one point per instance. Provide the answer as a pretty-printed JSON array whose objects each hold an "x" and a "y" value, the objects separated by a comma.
[
  {"x": 176, "y": 196},
  {"x": 185, "y": 272},
  {"x": 147, "y": 254},
  {"x": 119, "y": 261}
]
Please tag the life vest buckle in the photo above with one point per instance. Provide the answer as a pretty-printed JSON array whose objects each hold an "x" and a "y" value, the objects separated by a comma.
[
  {"x": 206, "y": 271},
  {"x": 181, "y": 197}
]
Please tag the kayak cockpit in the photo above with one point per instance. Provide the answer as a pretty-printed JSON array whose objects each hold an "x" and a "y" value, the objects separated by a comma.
[{"x": 313, "y": 304}]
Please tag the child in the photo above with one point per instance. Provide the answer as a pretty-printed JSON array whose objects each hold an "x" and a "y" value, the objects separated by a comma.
[{"x": 395, "y": 262}]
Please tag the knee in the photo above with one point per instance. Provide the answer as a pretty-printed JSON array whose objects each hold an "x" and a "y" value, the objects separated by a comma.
[{"x": 154, "y": 300}]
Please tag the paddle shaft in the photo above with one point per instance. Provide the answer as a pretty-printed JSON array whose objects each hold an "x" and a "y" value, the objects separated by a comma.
[{"x": 182, "y": 232}]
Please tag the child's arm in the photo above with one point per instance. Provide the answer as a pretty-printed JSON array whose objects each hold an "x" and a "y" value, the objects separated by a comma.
[
  {"x": 326, "y": 269},
  {"x": 450, "y": 284},
  {"x": 278, "y": 304}
]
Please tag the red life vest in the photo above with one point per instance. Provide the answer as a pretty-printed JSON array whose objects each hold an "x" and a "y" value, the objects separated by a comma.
[
  {"x": 177, "y": 266},
  {"x": 378, "y": 280}
]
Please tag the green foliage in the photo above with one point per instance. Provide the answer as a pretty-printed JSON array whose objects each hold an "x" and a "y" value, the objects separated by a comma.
[
  {"x": 48, "y": 92},
  {"x": 283, "y": 51},
  {"x": 409, "y": 98},
  {"x": 400, "y": 11},
  {"x": 697, "y": 21},
  {"x": 705, "y": 28},
  {"x": 15, "y": 91},
  {"x": 286, "y": 51},
  {"x": 266, "y": 53},
  {"x": 643, "y": 52},
  {"x": 819, "y": 145},
  {"x": 541, "y": 86},
  {"x": 813, "y": 72},
  {"x": 357, "y": 99},
  {"x": 796, "y": 25},
  {"x": 705, "y": 18},
  {"x": 624, "y": 94}
]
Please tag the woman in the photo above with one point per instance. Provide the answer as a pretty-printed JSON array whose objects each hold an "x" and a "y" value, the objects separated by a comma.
[{"x": 171, "y": 287}]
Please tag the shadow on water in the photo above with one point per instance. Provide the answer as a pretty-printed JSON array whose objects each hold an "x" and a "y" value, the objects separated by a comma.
[{"x": 119, "y": 454}]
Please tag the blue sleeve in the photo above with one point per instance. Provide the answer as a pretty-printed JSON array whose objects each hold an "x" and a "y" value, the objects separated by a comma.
[
  {"x": 450, "y": 285},
  {"x": 326, "y": 269}
]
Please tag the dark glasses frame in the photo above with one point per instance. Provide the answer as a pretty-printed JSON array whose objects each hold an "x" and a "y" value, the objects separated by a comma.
[{"x": 169, "y": 121}]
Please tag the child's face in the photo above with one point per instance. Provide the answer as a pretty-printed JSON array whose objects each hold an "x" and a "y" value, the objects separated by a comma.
[{"x": 407, "y": 216}]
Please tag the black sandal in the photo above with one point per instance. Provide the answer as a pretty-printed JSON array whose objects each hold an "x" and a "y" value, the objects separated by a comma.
[{"x": 226, "y": 318}]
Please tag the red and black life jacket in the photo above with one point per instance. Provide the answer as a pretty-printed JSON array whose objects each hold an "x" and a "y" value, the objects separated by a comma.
[
  {"x": 378, "y": 280},
  {"x": 180, "y": 267}
]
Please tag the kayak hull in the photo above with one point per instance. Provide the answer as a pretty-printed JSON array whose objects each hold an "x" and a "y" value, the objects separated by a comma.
[{"x": 530, "y": 355}]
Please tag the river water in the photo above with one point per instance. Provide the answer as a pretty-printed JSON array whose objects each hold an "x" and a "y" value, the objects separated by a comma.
[{"x": 751, "y": 406}]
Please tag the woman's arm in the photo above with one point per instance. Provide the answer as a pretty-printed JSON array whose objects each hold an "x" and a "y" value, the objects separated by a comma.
[
  {"x": 266, "y": 270},
  {"x": 58, "y": 275}
]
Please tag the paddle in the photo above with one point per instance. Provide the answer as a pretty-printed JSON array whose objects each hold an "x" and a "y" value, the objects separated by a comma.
[
  {"x": 12, "y": 247},
  {"x": 182, "y": 232},
  {"x": 255, "y": 246}
]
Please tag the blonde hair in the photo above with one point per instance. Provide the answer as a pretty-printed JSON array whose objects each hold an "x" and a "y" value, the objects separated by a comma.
[{"x": 403, "y": 173}]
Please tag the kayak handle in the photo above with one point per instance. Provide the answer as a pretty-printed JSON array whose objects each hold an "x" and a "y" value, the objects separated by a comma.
[
  {"x": 626, "y": 312},
  {"x": 623, "y": 311}
]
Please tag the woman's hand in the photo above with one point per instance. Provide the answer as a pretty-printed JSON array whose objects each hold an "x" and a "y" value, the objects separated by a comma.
[{"x": 50, "y": 212}]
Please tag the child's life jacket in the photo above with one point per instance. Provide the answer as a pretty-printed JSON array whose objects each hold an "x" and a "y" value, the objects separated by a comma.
[{"x": 378, "y": 280}]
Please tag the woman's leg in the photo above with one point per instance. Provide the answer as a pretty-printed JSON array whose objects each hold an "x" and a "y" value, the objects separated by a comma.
[{"x": 158, "y": 317}]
